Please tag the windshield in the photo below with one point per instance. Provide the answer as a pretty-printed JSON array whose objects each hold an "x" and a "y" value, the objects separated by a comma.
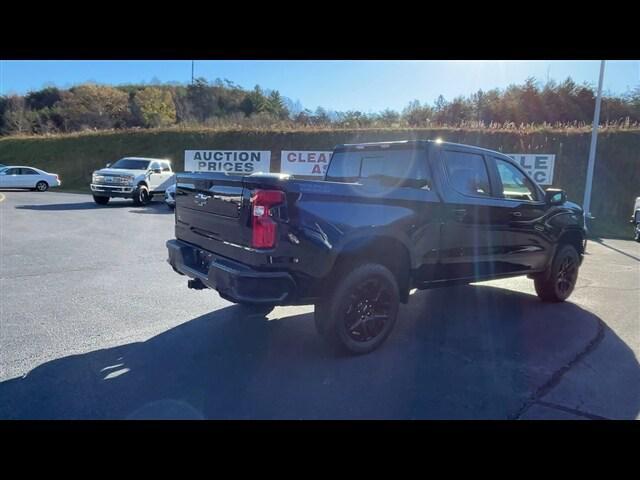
[{"x": 131, "y": 164}]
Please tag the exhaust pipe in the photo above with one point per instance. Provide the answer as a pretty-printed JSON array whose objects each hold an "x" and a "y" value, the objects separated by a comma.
[{"x": 196, "y": 284}]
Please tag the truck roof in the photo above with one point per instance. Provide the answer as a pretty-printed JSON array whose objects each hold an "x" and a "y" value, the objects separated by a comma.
[
  {"x": 149, "y": 159},
  {"x": 410, "y": 144}
]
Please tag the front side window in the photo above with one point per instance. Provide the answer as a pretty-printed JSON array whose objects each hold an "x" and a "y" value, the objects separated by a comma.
[
  {"x": 515, "y": 185},
  {"x": 467, "y": 173},
  {"x": 166, "y": 167}
]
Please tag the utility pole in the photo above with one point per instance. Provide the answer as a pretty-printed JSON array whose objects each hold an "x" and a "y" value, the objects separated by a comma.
[
  {"x": 586, "y": 204},
  {"x": 192, "y": 66}
]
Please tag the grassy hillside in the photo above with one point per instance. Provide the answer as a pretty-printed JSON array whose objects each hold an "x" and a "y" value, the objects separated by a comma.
[{"x": 616, "y": 179}]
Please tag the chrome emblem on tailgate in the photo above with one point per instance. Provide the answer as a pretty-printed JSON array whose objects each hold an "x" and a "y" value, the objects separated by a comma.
[{"x": 201, "y": 199}]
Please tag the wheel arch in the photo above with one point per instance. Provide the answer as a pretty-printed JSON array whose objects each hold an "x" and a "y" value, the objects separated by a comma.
[
  {"x": 574, "y": 237},
  {"x": 384, "y": 250}
]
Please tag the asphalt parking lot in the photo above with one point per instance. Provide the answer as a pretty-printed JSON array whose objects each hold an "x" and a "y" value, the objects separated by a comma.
[{"x": 95, "y": 324}]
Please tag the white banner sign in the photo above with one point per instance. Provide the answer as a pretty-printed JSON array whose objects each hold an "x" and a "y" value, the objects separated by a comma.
[
  {"x": 539, "y": 166},
  {"x": 241, "y": 162},
  {"x": 305, "y": 162}
]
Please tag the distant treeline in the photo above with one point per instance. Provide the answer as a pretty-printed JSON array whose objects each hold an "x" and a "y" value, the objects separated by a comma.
[{"x": 224, "y": 104}]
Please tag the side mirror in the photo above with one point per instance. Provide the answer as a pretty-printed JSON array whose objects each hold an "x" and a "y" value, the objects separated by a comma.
[
  {"x": 156, "y": 170},
  {"x": 554, "y": 196},
  {"x": 108, "y": 165}
]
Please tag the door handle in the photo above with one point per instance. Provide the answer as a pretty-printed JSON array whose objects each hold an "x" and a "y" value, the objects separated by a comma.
[
  {"x": 516, "y": 214},
  {"x": 460, "y": 214}
]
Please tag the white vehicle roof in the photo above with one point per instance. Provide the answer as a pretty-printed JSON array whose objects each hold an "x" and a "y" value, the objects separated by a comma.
[
  {"x": 147, "y": 159},
  {"x": 25, "y": 166}
]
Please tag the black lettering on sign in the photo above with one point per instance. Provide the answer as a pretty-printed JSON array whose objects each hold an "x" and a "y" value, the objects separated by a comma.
[
  {"x": 244, "y": 156},
  {"x": 206, "y": 156},
  {"x": 523, "y": 162},
  {"x": 212, "y": 166},
  {"x": 541, "y": 162},
  {"x": 291, "y": 156},
  {"x": 217, "y": 156},
  {"x": 248, "y": 167},
  {"x": 255, "y": 156},
  {"x": 237, "y": 167},
  {"x": 201, "y": 165},
  {"x": 197, "y": 156},
  {"x": 228, "y": 167},
  {"x": 322, "y": 158},
  {"x": 539, "y": 176},
  {"x": 316, "y": 169}
]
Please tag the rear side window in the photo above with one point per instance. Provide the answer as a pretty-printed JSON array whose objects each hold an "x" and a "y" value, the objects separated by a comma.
[
  {"x": 166, "y": 167},
  {"x": 390, "y": 166},
  {"x": 467, "y": 173},
  {"x": 28, "y": 171}
]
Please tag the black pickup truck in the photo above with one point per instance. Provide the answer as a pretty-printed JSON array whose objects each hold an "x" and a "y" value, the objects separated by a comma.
[{"x": 388, "y": 218}]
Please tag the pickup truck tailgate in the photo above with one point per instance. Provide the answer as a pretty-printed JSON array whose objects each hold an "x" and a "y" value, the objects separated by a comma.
[{"x": 209, "y": 210}]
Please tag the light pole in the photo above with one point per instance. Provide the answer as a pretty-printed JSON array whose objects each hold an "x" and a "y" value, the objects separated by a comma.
[
  {"x": 586, "y": 204},
  {"x": 192, "y": 66}
]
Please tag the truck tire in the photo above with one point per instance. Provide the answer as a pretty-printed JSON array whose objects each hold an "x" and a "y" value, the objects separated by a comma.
[
  {"x": 361, "y": 310},
  {"x": 557, "y": 283},
  {"x": 101, "y": 200},
  {"x": 141, "y": 195}
]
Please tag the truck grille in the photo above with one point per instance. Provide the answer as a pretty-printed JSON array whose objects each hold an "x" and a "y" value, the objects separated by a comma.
[{"x": 110, "y": 180}]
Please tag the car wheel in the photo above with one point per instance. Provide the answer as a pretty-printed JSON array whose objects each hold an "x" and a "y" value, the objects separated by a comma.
[
  {"x": 557, "y": 283},
  {"x": 361, "y": 311},
  {"x": 637, "y": 234},
  {"x": 101, "y": 200},
  {"x": 42, "y": 186},
  {"x": 141, "y": 196}
]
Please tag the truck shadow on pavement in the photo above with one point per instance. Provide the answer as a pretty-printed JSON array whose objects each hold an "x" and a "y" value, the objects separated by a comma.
[
  {"x": 456, "y": 353},
  {"x": 153, "y": 207}
]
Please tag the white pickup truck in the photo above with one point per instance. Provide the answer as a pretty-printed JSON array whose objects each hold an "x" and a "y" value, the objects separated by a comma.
[{"x": 132, "y": 177}]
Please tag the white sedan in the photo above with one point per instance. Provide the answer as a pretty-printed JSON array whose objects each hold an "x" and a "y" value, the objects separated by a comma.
[{"x": 28, "y": 177}]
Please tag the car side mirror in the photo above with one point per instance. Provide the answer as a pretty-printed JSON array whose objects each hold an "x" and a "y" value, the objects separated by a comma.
[
  {"x": 156, "y": 170},
  {"x": 554, "y": 196}
]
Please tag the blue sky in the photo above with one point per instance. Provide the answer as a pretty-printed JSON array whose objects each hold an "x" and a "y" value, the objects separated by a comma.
[{"x": 368, "y": 86}]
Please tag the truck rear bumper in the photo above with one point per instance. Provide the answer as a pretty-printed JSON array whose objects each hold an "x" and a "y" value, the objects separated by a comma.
[{"x": 234, "y": 281}]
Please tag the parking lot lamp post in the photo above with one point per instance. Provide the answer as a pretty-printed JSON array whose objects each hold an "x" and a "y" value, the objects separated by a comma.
[{"x": 586, "y": 204}]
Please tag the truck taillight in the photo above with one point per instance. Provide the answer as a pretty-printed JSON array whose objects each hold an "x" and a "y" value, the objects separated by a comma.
[{"x": 264, "y": 231}]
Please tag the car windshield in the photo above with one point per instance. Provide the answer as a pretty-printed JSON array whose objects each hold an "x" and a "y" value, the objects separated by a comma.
[{"x": 131, "y": 164}]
